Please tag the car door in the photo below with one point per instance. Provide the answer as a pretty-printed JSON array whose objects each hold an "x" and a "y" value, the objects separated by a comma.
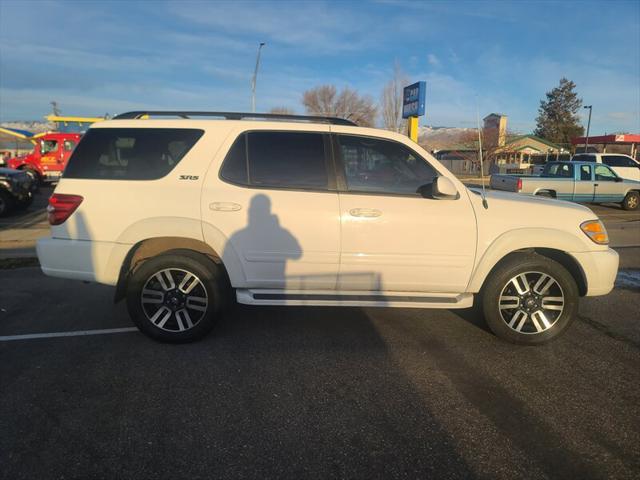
[
  {"x": 625, "y": 167},
  {"x": 607, "y": 186},
  {"x": 274, "y": 201},
  {"x": 393, "y": 239},
  {"x": 584, "y": 183}
]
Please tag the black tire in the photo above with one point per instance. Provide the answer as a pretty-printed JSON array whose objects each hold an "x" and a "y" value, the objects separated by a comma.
[
  {"x": 25, "y": 203},
  {"x": 7, "y": 203},
  {"x": 500, "y": 291},
  {"x": 37, "y": 179},
  {"x": 631, "y": 201},
  {"x": 212, "y": 280}
]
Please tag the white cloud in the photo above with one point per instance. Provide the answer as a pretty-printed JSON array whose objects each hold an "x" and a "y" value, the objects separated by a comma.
[{"x": 433, "y": 60}]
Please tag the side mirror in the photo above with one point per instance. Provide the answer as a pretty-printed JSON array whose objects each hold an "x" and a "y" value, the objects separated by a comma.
[
  {"x": 618, "y": 179},
  {"x": 441, "y": 189}
]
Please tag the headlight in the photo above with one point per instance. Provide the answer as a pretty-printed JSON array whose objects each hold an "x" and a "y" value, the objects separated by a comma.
[{"x": 594, "y": 229}]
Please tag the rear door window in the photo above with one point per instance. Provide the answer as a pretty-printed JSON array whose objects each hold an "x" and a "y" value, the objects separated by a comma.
[
  {"x": 130, "y": 153},
  {"x": 294, "y": 160}
]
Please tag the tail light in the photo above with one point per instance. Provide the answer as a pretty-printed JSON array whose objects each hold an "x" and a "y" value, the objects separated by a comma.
[
  {"x": 61, "y": 206},
  {"x": 519, "y": 186}
]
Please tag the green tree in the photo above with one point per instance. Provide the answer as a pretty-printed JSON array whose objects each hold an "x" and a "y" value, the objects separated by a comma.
[{"x": 558, "y": 119}]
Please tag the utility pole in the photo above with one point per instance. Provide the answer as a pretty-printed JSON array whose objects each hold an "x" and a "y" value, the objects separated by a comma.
[
  {"x": 253, "y": 81},
  {"x": 586, "y": 147},
  {"x": 55, "y": 108}
]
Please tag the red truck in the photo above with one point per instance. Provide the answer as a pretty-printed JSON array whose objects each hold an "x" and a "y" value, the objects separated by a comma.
[{"x": 49, "y": 156}]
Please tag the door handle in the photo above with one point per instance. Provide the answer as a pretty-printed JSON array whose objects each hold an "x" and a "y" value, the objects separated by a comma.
[
  {"x": 365, "y": 212},
  {"x": 225, "y": 206},
  {"x": 595, "y": 184}
]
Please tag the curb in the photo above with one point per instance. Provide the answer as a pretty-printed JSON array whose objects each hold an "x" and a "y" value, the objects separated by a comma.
[{"x": 18, "y": 262}]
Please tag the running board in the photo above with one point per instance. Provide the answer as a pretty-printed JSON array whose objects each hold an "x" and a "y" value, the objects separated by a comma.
[{"x": 354, "y": 298}]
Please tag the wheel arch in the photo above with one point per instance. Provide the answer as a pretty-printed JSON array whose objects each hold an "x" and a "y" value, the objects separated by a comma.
[
  {"x": 553, "y": 244},
  {"x": 152, "y": 247},
  {"x": 542, "y": 191}
]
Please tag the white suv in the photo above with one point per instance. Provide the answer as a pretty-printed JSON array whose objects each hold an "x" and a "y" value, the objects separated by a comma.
[
  {"x": 623, "y": 165},
  {"x": 179, "y": 213}
]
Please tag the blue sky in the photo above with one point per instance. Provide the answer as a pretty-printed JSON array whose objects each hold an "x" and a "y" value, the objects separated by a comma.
[{"x": 99, "y": 56}]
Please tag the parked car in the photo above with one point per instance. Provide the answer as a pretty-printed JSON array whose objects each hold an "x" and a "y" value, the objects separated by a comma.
[
  {"x": 576, "y": 182},
  {"x": 623, "y": 165},
  {"x": 15, "y": 190},
  {"x": 180, "y": 213},
  {"x": 48, "y": 158}
]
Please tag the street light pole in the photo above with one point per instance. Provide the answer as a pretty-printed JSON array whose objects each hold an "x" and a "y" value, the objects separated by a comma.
[
  {"x": 253, "y": 81},
  {"x": 586, "y": 147}
]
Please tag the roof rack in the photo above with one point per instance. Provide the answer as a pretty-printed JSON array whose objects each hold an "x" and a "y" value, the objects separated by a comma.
[{"x": 234, "y": 116}]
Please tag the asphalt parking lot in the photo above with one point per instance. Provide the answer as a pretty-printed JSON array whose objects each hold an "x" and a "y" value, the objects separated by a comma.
[{"x": 315, "y": 392}]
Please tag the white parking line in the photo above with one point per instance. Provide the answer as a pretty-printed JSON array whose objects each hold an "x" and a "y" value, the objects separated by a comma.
[{"x": 77, "y": 333}]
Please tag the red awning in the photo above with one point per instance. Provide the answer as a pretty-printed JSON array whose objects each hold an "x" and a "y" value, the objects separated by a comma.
[{"x": 619, "y": 139}]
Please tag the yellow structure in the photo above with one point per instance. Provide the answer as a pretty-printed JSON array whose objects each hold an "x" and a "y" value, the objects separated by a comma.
[
  {"x": 80, "y": 123},
  {"x": 412, "y": 123}
]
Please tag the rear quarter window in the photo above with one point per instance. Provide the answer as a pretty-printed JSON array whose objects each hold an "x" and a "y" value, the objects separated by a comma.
[
  {"x": 618, "y": 161},
  {"x": 130, "y": 153}
]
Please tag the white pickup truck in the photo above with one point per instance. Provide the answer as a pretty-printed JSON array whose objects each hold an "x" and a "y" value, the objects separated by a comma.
[{"x": 181, "y": 213}]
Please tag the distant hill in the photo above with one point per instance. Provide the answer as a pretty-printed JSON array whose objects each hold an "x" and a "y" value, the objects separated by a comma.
[
  {"x": 442, "y": 138},
  {"x": 32, "y": 126}
]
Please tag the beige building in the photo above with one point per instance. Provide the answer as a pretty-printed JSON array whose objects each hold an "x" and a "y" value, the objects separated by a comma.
[
  {"x": 516, "y": 152},
  {"x": 524, "y": 149},
  {"x": 502, "y": 152},
  {"x": 495, "y": 129}
]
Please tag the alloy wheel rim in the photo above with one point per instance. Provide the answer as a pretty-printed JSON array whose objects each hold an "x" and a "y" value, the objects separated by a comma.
[
  {"x": 531, "y": 302},
  {"x": 174, "y": 300},
  {"x": 632, "y": 202}
]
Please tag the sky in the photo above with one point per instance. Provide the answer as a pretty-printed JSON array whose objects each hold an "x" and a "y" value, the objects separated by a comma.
[{"x": 97, "y": 57}]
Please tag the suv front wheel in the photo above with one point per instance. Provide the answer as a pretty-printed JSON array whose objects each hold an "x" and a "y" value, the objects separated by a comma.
[
  {"x": 176, "y": 297},
  {"x": 529, "y": 299}
]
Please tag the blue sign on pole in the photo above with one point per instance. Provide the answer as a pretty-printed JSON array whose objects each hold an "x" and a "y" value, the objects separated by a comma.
[{"x": 414, "y": 99}]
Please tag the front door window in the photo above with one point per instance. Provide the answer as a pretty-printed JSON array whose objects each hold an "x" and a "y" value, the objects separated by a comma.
[
  {"x": 604, "y": 173},
  {"x": 382, "y": 166}
]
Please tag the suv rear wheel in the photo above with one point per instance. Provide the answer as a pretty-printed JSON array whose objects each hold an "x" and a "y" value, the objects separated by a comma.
[
  {"x": 176, "y": 297},
  {"x": 529, "y": 299}
]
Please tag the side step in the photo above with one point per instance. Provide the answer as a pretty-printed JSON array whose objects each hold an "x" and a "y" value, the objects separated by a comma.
[{"x": 331, "y": 298}]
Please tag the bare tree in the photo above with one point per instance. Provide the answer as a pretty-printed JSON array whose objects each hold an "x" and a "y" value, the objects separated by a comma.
[
  {"x": 282, "y": 110},
  {"x": 325, "y": 100},
  {"x": 391, "y": 101}
]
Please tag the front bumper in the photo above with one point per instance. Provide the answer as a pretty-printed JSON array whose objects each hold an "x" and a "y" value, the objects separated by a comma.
[
  {"x": 52, "y": 175},
  {"x": 600, "y": 269}
]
